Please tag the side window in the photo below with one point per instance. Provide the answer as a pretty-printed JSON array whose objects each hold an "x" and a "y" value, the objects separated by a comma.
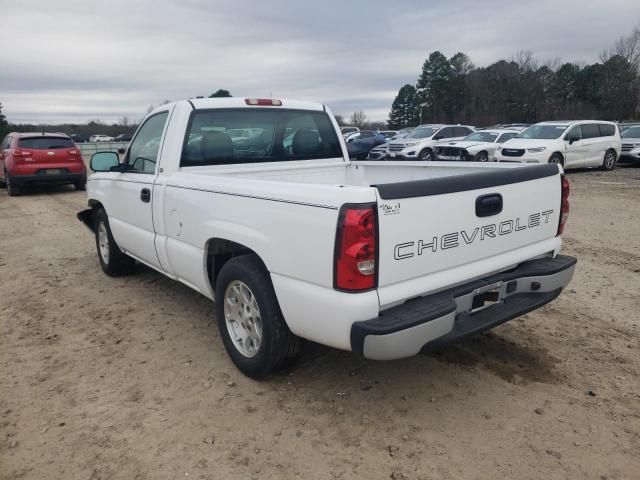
[
  {"x": 461, "y": 131},
  {"x": 5, "y": 143},
  {"x": 446, "y": 132},
  {"x": 590, "y": 130},
  {"x": 575, "y": 133},
  {"x": 143, "y": 152},
  {"x": 607, "y": 130}
]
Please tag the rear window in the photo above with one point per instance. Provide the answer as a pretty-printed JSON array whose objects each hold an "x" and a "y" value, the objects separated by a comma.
[
  {"x": 45, "y": 143},
  {"x": 234, "y": 136},
  {"x": 607, "y": 130}
]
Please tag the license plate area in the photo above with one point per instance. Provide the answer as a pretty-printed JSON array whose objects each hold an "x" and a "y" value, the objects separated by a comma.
[
  {"x": 52, "y": 171},
  {"x": 486, "y": 296}
]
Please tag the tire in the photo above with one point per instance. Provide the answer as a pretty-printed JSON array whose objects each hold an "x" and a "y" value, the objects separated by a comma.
[
  {"x": 112, "y": 260},
  {"x": 556, "y": 158},
  {"x": 245, "y": 280},
  {"x": 12, "y": 189},
  {"x": 426, "y": 155},
  {"x": 609, "y": 160},
  {"x": 80, "y": 186},
  {"x": 482, "y": 157}
]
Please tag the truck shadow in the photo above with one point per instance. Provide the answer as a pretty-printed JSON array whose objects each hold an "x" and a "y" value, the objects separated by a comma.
[{"x": 492, "y": 352}]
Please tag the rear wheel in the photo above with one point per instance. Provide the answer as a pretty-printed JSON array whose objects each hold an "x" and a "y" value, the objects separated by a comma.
[
  {"x": 426, "y": 155},
  {"x": 112, "y": 260},
  {"x": 12, "y": 188},
  {"x": 609, "y": 160},
  {"x": 81, "y": 186},
  {"x": 251, "y": 324}
]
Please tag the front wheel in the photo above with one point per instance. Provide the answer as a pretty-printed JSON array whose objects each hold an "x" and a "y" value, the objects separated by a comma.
[
  {"x": 112, "y": 260},
  {"x": 556, "y": 158},
  {"x": 609, "y": 160},
  {"x": 426, "y": 155},
  {"x": 482, "y": 157},
  {"x": 251, "y": 324}
]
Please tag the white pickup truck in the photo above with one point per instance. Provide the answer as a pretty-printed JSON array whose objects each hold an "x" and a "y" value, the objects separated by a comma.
[{"x": 255, "y": 204}]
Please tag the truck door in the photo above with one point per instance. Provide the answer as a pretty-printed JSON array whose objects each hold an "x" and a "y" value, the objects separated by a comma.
[{"x": 130, "y": 214}]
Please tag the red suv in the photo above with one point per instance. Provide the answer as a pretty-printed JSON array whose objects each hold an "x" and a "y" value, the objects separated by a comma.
[{"x": 27, "y": 158}]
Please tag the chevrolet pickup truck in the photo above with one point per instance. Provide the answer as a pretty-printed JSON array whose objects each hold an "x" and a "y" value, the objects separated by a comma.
[{"x": 255, "y": 204}]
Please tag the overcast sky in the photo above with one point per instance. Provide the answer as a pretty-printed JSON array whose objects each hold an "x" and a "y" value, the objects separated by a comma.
[{"x": 73, "y": 61}]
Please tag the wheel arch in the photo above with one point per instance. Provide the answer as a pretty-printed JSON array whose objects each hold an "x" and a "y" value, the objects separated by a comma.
[
  {"x": 219, "y": 251},
  {"x": 88, "y": 216}
]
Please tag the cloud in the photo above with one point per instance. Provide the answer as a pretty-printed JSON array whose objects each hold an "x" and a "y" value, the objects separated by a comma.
[{"x": 75, "y": 61}]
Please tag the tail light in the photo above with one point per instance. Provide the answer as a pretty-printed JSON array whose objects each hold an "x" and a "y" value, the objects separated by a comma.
[
  {"x": 18, "y": 154},
  {"x": 356, "y": 250},
  {"x": 564, "y": 205}
]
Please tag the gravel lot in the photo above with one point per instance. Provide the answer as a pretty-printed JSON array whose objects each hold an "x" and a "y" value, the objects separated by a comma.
[{"x": 127, "y": 378}]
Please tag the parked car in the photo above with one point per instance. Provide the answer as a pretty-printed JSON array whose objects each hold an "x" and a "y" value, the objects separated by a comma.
[
  {"x": 346, "y": 131},
  {"x": 507, "y": 126},
  {"x": 403, "y": 132},
  {"x": 361, "y": 135},
  {"x": 388, "y": 134},
  {"x": 79, "y": 138},
  {"x": 378, "y": 258},
  {"x": 631, "y": 145},
  {"x": 625, "y": 125},
  {"x": 359, "y": 148},
  {"x": 38, "y": 158},
  {"x": 123, "y": 137},
  {"x": 574, "y": 144},
  {"x": 377, "y": 153},
  {"x": 479, "y": 146},
  {"x": 100, "y": 138},
  {"x": 419, "y": 144}
]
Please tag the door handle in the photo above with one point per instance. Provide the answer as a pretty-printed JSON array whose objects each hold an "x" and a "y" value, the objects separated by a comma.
[
  {"x": 488, "y": 205},
  {"x": 145, "y": 195}
]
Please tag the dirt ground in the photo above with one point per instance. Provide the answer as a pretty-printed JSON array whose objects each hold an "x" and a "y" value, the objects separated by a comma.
[{"x": 127, "y": 378}]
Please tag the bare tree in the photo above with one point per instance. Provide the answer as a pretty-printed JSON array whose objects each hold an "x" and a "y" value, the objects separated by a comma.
[
  {"x": 359, "y": 119},
  {"x": 628, "y": 47}
]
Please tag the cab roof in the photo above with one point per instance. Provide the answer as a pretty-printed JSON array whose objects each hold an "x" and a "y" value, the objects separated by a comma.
[{"x": 242, "y": 102}]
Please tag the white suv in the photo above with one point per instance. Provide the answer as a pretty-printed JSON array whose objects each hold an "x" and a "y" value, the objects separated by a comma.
[
  {"x": 587, "y": 143},
  {"x": 419, "y": 144}
]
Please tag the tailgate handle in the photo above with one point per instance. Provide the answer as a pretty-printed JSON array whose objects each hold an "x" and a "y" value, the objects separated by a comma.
[{"x": 488, "y": 205}]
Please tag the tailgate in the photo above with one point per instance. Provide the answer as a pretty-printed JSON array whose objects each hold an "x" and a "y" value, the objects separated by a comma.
[{"x": 429, "y": 226}]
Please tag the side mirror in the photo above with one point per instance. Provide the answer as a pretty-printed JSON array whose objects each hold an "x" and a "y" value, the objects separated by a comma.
[
  {"x": 438, "y": 137},
  {"x": 104, "y": 161},
  {"x": 572, "y": 139}
]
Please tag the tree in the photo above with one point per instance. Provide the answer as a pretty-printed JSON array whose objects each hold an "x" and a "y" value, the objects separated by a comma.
[
  {"x": 339, "y": 119},
  {"x": 220, "y": 93},
  {"x": 434, "y": 89},
  {"x": 405, "y": 109},
  {"x": 358, "y": 119},
  {"x": 4, "y": 125}
]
